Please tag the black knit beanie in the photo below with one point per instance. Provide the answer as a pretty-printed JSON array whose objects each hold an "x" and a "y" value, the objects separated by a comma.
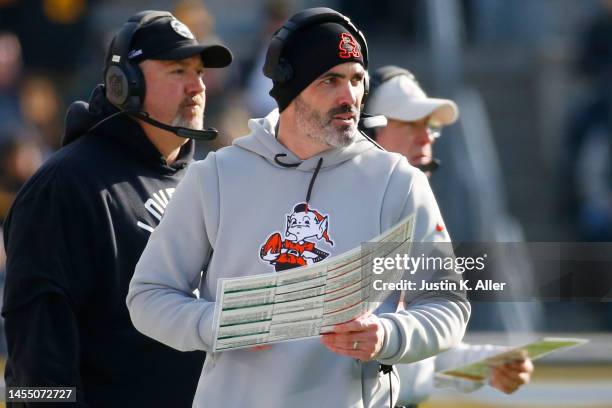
[{"x": 311, "y": 52}]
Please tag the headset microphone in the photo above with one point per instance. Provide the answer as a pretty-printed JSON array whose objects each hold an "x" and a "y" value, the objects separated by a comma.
[
  {"x": 367, "y": 125},
  {"x": 368, "y": 121},
  {"x": 207, "y": 134}
]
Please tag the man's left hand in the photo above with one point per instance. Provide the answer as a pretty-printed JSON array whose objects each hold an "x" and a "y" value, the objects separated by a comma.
[
  {"x": 361, "y": 338},
  {"x": 510, "y": 377}
]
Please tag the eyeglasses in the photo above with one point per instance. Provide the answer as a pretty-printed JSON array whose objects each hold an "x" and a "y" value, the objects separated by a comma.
[{"x": 432, "y": 131}]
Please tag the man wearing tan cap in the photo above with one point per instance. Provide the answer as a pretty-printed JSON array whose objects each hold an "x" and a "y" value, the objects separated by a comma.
[
  {"x": 414, "y": 122},
  {"x": 413, "y": 119}
]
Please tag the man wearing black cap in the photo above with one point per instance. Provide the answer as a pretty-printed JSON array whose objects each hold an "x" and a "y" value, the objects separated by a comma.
[
  {"x": 289, "y": 194},
  {"x": 78, "y": 226}
]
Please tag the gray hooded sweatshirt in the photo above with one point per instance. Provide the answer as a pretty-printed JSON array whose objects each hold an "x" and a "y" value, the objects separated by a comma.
[{"x": 241, "y": 200}]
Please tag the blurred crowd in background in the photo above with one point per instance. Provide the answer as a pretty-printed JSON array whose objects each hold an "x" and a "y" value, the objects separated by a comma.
[{"x": 533, "y": 80}]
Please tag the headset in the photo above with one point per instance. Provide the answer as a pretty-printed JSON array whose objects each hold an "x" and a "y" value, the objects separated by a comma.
[
  {"x": 379, "y": 77},
  {"x": 124, "y": 81},
  {"x": 280, "y": 70}
]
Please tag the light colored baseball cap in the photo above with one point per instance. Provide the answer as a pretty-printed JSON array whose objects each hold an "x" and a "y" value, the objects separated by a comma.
[{"x": 401, "y": 98}]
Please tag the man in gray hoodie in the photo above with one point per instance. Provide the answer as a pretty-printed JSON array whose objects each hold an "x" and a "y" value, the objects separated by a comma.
[{"x": 292, "y": 193}]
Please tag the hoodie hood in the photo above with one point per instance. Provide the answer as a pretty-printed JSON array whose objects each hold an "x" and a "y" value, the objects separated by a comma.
[
  {"x": 262, "y": 141},
  {"x": 82, "y": 116}
]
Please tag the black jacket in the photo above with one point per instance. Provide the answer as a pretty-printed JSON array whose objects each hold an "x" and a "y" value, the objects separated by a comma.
[{"x": 73, "y": 237}]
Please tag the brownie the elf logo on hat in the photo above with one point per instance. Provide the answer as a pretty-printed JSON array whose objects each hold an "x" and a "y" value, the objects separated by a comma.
[
  {"x": 181, "y": 29},
  {"x": 348, "y": 46}
]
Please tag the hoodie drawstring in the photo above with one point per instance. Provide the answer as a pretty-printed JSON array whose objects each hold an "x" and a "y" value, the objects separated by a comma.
[
  {"x": 313, "y": 178},
  {"x": 286, "y": 165},
  {"x": 292, "y": 165}
]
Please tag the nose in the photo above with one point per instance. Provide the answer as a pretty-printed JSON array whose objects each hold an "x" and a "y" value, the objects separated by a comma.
[
  {"x": 424, "y": 136},
  {"x": 348, "y": 94},
  {"x": 195, "y": 85}
]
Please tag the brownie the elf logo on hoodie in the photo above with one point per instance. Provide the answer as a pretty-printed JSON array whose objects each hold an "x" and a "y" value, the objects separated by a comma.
[{"x": 305, "y": 228}]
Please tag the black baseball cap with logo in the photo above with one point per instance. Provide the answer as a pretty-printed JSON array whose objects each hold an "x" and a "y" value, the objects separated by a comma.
[{"x": 166, "y": 38}]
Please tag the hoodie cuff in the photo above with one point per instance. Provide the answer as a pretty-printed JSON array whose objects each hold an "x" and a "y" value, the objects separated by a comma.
[{"x": 391, "y": 343}]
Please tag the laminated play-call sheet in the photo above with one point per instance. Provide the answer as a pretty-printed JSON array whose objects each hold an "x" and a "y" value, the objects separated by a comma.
[
  {"x": 302, "y": 302},
  {"x": 480, "y": 370}
]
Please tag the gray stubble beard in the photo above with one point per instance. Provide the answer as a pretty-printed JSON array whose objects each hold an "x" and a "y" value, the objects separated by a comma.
[
  {"x": 196, "y": 123},
  {"x": 321, "y": 129}
]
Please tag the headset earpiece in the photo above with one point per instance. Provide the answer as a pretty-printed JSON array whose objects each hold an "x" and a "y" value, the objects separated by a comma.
[
  {"x": 123, "y": 80},
  {"x": 116, "y": 85},
  {"x": 283, "y": 72},
  {"x": 125, "y": 86}
]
